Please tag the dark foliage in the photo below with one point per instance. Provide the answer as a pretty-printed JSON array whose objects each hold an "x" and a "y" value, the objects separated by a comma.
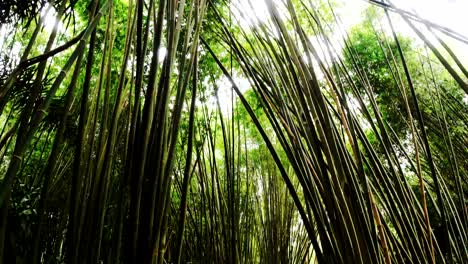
[{"x": 12, "y": 10}]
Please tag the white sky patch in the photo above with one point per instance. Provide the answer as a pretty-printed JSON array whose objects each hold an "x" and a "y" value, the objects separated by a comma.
[
  {"x": 325, "y": 55},
  {"x": 314, "y": 64},
  {"x": 10, "y": 52},
  {"x": 259, "y": 189},
  {"x": 162, "y": 52},
  {"x": 252, "y": 12},
  {"x": 226, "y": 92},
  {"x": 49, "y": 15},
  {"x": 249, "y": 12},
  {"x": 3, "y": 32},
  {"x": 448, "y": 13},
  {"x": 355, "y": 107}
]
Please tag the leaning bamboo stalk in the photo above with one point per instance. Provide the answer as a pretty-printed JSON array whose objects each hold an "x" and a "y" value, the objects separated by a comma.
[
  {"x": 188, "y": 160},
  {"x": 426, "y": 143}
]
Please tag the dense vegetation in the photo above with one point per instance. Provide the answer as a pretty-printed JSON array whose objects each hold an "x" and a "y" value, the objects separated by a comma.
[{"x": 197, "y": 131}]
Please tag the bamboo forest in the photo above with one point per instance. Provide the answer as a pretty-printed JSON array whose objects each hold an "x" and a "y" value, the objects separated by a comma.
[{"x": 233, "y": 131}]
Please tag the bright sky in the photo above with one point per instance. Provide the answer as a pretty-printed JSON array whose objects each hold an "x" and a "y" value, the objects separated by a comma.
[{"x": 448, "y": 13}]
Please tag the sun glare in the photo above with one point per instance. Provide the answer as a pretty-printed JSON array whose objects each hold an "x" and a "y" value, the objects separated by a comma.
[
  {"x": 249, "y": 13},
  {"x": 49, "y": 15},
  {"x": 448, "y": 13}
]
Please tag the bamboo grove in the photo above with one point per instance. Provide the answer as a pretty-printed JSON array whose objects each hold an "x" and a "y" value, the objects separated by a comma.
[{"x": 117, "y": 144}]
